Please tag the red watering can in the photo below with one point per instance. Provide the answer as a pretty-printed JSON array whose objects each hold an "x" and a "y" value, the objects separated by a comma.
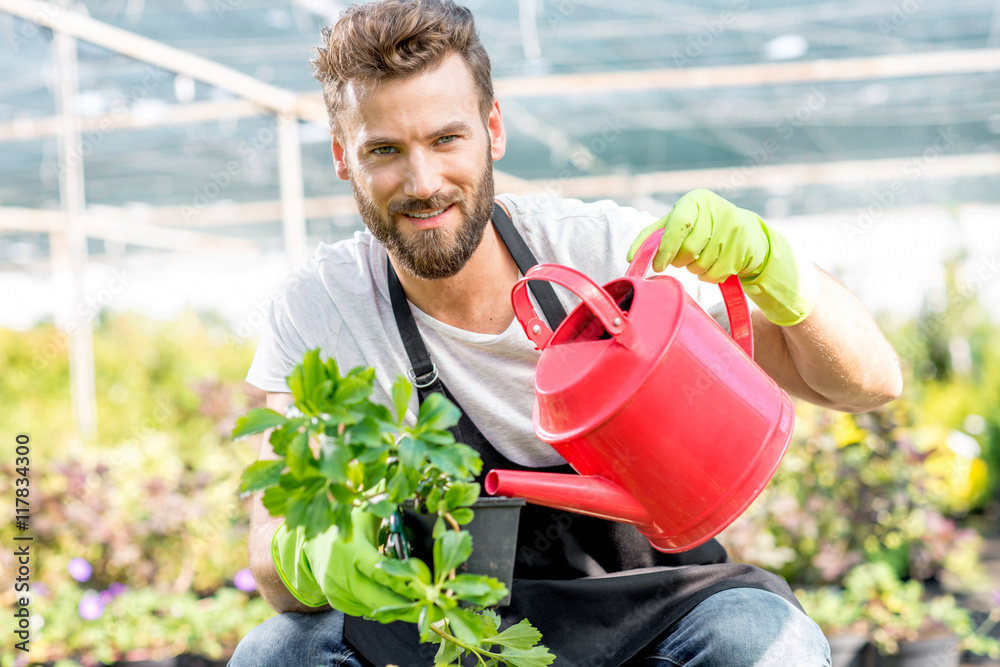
[{"x": 668, "y": 420}]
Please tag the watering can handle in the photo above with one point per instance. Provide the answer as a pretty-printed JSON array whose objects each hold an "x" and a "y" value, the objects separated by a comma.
[
  {"x": 732, "y": 293},
  {"x": 598, "y": 300}
]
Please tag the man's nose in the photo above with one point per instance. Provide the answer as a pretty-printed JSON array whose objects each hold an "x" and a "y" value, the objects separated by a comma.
[{"x": 423, "y": 179}]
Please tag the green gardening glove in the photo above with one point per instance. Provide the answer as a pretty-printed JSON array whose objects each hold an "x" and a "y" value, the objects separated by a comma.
[
  {"x": 329, "y": 569},
  {"x": 714, "y": 239}
]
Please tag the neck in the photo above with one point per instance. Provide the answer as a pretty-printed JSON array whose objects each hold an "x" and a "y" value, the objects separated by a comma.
[{"x": 477, "y": 298}]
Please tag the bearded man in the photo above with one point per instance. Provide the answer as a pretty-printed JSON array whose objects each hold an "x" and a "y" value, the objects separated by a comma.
[{"x": 416, "y": 129}]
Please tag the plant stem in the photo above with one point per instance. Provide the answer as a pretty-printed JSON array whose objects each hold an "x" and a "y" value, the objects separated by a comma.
[
  {"x": 451, "y": 521},
  {"x": 468, "y": 647}
]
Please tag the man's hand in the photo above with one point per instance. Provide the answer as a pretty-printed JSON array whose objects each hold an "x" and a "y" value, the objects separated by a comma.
[
  {"x": 327, "y": 568},
  {"x": 714, "y": 239}
]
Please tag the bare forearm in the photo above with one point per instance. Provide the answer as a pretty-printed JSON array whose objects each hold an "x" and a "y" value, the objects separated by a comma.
[
  {"x": 269, "y": 584},
  {"x": 837, "y": 357}
]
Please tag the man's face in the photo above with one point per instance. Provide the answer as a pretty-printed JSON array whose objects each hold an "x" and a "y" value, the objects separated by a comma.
[{"x": 420, "y": 163}]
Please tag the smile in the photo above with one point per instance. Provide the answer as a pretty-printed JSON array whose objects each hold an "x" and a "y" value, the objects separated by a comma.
[{"x": 426, "y": 215}]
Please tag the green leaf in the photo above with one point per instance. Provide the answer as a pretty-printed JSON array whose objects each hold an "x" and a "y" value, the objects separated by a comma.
[
  {"x": 319, "y": 396},
  {"x": 281, "y": 437},
  {"x": 438, "y": 437},
  {"x": 478, "y": 590},
  {"x": 412, "y": 452},
  {"x": 468, "y": 584},
  {"x": 439, "y": 527},
  {"x": 332, "y": 371},
  {"x": 411, "y": 569},
  {"x": 401, "y": 391},
  {"x": 352, "y": 390},
  {"x": 402, "y": 485},
  {"x": 382, "y": 509},
  {"x": 319, "y": 515},
  {"x": 457, "y": 461},
  {"x": 297, "y": 386},
  {"x": 448, "y": 653},
  {"x": 462, "y": 515},
  {"x": 538, "y": 656},
  {"x": 433, "y": 498},
  {"x": 334, "y": 458},
  {"x": 464, "y": 625},
  {"x": 493, "y": 616},
  {"x": 461, "y": 494},
  {"x": 313, "y": 372},
  {"x": 261, "y": 475},
  {"x": 394, "y": 612},
  {"x": 520, "y": 636},
  {"x": 437, "y": 413},
  {"x": 276, "y": 499},
  {"x": 450, "y": 550},
  {"x": 257, "y": 420},
  {"x": 366, "y": 432},
  {"x": 299, "y": 455}
]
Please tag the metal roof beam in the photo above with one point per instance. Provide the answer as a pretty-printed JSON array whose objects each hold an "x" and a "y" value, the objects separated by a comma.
[{"x": 143, "y": 49}]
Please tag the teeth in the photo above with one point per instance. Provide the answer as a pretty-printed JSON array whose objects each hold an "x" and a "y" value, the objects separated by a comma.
[{"x": 426, "y": 215}]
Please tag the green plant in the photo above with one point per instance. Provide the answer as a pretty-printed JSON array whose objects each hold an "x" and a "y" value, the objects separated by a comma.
[
  {"x": 345, "y": 452},
  {"x": 896, "y": 610}
]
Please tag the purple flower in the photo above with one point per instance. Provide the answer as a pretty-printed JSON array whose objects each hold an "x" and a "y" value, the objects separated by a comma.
[
  {"x": 996, "y": 597},
  {"x": 116, "y": 589},
  {"x": 105, "y": 598},
  {"x": 80, "y": 569},
  {"x": 42, "y": 589},
  {"x": 91, "y": 607},
  {"x": 245, "y": 581}
]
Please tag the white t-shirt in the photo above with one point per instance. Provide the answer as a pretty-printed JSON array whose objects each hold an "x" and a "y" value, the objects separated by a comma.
[{"x": 338, "y": 301}]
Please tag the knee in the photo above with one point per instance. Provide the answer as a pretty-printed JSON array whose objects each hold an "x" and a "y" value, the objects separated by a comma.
[
  {"x": 294, "y": 638},
  {"x": 746, "y": 627}
]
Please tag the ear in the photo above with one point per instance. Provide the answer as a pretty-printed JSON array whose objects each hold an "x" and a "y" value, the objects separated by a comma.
[
  {"x": 339, "y": 158},
  {"x": 498, "y": 135}
]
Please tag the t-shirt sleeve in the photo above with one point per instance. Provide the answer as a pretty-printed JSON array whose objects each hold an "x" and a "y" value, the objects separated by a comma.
[{"x": 292, "y": 329}]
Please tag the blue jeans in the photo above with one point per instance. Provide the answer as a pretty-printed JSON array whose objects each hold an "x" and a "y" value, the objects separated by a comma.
[{"x": 738, "y": 627}]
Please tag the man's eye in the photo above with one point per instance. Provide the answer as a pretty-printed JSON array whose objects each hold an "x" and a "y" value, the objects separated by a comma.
[
  {"x": 383, "y": 150},
  {"x": 448, "y": 139}
]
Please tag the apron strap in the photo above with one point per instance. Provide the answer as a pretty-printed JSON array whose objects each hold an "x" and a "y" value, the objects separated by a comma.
[
  {"x": 518, "y": 249},
  {"x": 423, "y": 372}
]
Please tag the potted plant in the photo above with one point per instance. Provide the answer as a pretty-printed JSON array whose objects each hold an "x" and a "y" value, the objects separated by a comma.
[{"x": 343, "y": 454}]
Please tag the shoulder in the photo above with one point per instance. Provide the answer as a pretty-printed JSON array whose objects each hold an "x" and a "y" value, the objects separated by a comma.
[
  {"x": 316, "y": 289},
  {"x": 539, "y": 209},
  {"x": 591, "y": 237}
]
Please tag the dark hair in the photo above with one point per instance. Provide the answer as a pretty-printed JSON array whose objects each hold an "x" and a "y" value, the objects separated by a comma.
[{"x": 395, "y": 39}]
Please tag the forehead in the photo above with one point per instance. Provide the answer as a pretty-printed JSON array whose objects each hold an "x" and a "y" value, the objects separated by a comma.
[{"x": 401, "y": 107}]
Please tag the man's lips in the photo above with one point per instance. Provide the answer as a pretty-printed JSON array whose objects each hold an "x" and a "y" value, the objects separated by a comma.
[{"x": 428, "y": 222}]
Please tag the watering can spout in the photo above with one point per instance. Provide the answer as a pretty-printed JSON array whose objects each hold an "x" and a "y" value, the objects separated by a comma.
[{"x": 593, "y": 496}]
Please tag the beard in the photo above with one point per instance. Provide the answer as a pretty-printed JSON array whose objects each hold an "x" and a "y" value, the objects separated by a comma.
[{"x": 432, "y": 254}]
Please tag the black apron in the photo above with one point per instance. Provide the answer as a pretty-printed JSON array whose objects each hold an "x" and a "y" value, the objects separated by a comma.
[{"x": 595, "y": 589}]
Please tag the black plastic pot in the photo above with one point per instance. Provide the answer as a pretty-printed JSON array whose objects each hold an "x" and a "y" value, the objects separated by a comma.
[
  {"x": 851, "y": 650},
  {"x": 940, "y": 652},
  {"x": 494, "y": 537}
]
